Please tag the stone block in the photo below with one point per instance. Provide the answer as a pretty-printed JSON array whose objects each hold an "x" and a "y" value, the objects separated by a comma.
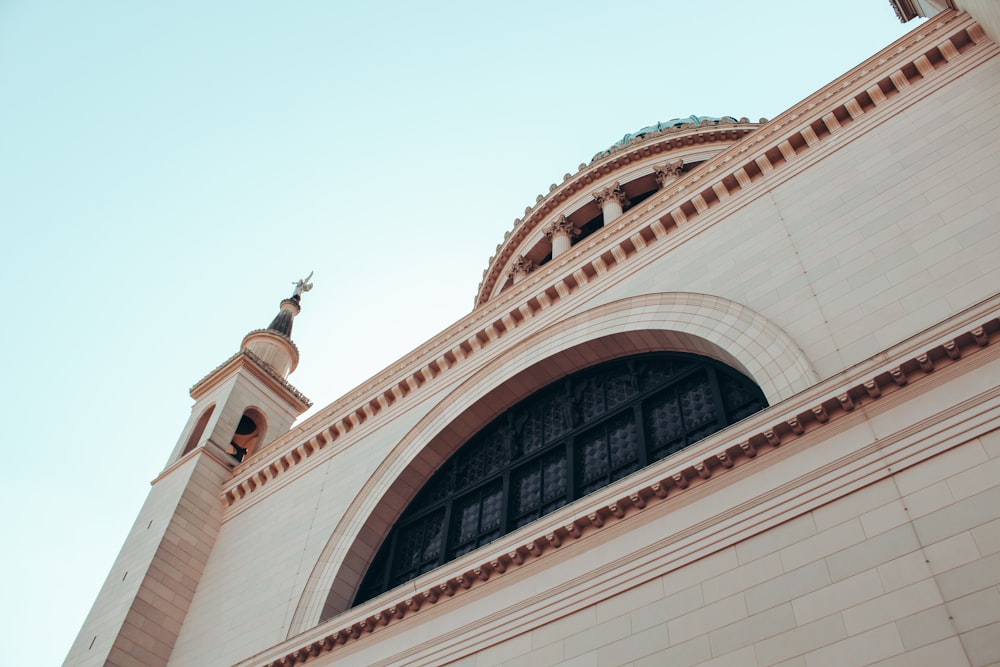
[
  {"x": 504, "y": 651},
  {"x": 670, "y": 607},
  {"x": 874, "y": 645},
  {"x": 872, "y": 552},
  {"x": 706, "y": 619},
  {"x": 701, "y": 570},
  {"x": 891, "y": 606},
  {"x": 822, "y": 544},
  {"x": 981, "y": 645},
  {"x": 946, "y": 653},
  {"x": 991, "y": 443},
  {"x": 803, "y": 639},
  {"x": 776, "y": 538},
  {"x": 950, "y": 553},
  {"x": 694, "y": 652},
  {"x": 959, "y": 516},
  {"x": 904, "y": 570},
  {"x": 987, "y": 537},
  {"x": 744, "y": 657},
  {"x": 787, "y": 587},
  {"x": 567, "y": 626},
  {"x": 942, "y": 466},
  {"x": 969, "y": 578},
  {"x": 925, "y": 627},
  {"x": 635, "y": 646},
  {"x": 600, "y": 635},
  {"x": 752, "y": 629},
  {"x": 540, "y": 657},
  {"x": 741, "y": 578},
  {"x": 837, "y": 596},
  {"x": 626, "y": 601},
  {"x": 976, "y": 610},
  {"x": 928, "y": 500},
  {"x": 980, "y": 478},
  {"x": 884, "y": 518}
]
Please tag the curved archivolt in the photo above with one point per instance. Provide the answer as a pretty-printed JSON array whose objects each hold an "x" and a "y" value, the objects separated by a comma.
[
  {"x": 668, "y": 322},
  {"x": 561, "y": 443}
]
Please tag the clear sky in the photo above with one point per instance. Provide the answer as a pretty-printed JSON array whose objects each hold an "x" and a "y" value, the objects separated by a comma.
[{"x": 167, "y": 170}]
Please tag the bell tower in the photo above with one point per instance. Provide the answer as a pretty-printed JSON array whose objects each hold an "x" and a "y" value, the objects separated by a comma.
[{"x": 239, "y": 408}]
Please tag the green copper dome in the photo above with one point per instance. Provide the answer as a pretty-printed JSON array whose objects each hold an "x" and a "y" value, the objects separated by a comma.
[{"x": 693, "y": 121}]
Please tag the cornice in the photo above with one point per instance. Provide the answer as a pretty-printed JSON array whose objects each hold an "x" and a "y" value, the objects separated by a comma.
[
  {"x": 665, "y": 481},
  {"x": 906, "y": 70},
  {"x": 260, "y": 369}
]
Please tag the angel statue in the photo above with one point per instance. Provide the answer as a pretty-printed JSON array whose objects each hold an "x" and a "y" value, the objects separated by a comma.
[{"x": 302, "y": 285}]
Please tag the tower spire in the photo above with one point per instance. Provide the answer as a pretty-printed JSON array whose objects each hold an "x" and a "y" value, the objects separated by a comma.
[
  {"x": 290, "y": 307},
  {"x": 273, "y": 346}
]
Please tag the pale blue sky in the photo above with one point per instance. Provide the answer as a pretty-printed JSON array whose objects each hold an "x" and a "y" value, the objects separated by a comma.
[{"x": 168, "y": 169}]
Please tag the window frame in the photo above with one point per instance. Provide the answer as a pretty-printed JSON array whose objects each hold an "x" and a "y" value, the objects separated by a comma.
[{"x": 504, "y": 429}]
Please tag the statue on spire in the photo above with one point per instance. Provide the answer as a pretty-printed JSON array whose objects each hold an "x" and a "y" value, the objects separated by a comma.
[{"x": 302, "y": 286}]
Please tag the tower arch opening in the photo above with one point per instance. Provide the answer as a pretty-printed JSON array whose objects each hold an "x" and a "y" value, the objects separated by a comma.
[
  {"x": 198, "y": 430},
  {"x": 249, "y": 434}
]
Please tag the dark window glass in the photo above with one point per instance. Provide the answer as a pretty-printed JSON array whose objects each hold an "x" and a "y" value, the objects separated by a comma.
[{"x": 567, "y": 440}]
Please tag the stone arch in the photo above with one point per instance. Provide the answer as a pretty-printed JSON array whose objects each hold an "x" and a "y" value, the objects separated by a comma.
[
  {"x": 684, "y": 322},
  {"x": 249, "y": 433},
  {"x": 198, "y": 430}
]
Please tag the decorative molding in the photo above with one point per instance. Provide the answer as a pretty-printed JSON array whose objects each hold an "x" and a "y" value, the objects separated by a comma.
[
  {"x": 646, "y": 495},
  {"x": 256, "y": 363}
]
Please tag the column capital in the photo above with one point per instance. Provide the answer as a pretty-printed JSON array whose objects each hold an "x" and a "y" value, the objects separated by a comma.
[
  {"x": 669, "y": 172},
  {"x": 612, "y": 193},
  {"x": 561, "y": 225},
  {"x": 522, "y": 267}
]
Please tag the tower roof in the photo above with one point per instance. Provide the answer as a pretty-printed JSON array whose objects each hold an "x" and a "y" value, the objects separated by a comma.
[{"x": 282, "y": 322}]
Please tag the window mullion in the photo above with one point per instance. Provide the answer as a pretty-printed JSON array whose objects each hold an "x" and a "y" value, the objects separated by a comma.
[
  {"x": 390, "y": 566},
  {"x": 640, "y": 433},
  {"x": 721, "y": 418},
  {"x": 445, "y": 554},
  {"x": 571, "y": 490},
  {"x": 505, "y": 501}
]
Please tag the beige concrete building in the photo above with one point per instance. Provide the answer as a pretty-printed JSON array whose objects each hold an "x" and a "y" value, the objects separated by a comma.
[{"x": 728, "y": 395}]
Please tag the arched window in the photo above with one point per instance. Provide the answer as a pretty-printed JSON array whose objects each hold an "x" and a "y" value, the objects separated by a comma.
[
  {"x": 249, "y": 433},
  {"x": 198, "y": 430},
  {"x": 569, "y": 439}
]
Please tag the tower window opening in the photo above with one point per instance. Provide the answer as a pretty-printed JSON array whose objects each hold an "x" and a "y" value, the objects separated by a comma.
[
  {"x": 247, "y": 436},
  {"x": 198, "y": 430}
]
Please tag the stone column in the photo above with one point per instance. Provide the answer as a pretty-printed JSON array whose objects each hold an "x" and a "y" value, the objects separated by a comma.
[
  {"x": 561, "y": 233},
  {"x": 612, "y": 201},
  {"x": 522, "y": 267},
  {"x": 668, "y": 173}
]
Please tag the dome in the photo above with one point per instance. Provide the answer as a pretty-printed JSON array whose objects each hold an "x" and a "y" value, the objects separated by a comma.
[
  {"x": 642, "y": 164},
  {"x": 660, "y": 126}
]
